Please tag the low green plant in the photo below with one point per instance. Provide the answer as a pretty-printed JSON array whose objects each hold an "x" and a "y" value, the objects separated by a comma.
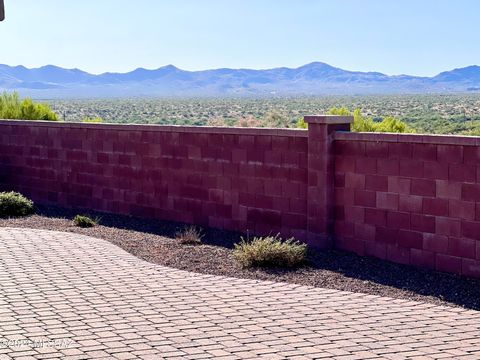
[
  {"x": 12, "y": 107},
  {"x": 270, "y": 251},
  {"x": 85, "y": 221},
  {"x": 190, "y": 235},
  {"x": 14, "y": 204}
]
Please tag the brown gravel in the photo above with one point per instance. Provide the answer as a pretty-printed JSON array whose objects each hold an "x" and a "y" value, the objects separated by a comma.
[{"x": 154, "y": 241}]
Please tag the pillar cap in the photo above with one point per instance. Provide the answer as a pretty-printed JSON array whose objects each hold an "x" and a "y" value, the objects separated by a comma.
[{"x": 328, "y": 119}]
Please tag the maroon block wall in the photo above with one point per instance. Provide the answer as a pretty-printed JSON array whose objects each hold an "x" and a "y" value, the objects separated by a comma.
[
  {"x": 410, "y": 199},
  {"x": 238, "y": 179}
]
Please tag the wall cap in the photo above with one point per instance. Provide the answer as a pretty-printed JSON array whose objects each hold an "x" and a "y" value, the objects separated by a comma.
[
  {"x": 437, "y": 139},
  {"x": 291, "y": 132},
  {"x": 328, "y": 119}
]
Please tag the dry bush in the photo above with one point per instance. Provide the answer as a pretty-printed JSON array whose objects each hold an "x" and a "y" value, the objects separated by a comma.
[
  {"x": 190, "y": 235},
  {"x": 248, "y": 121},
  {"x": 270, "y": 251}
]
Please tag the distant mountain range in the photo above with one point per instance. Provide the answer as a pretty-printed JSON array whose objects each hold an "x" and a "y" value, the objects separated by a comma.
[{"x": 169, "y": 81}]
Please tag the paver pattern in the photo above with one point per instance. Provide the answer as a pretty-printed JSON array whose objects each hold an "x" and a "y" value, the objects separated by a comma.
[{"x": 65, "y": 295}]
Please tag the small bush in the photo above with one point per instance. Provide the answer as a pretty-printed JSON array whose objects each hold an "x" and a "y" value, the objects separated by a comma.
[
  {"x": 84, "y": 221},
  {"x": 15, "y": 204},
  {"x": 270, "y": 251},
  {"x": 190, "y": 235},
  {"x": 249, "y": 121},
  {"x": 301, "y": 124}
]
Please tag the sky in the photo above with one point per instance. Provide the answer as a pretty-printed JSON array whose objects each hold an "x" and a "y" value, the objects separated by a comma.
[{"x": 420, "y": 37}]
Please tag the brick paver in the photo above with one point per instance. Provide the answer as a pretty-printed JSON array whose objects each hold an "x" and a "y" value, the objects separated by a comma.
[{"x": 64, "y": 295}]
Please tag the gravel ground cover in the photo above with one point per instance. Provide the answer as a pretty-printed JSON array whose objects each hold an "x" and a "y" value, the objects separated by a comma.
[{"x": 154, "y": 241}]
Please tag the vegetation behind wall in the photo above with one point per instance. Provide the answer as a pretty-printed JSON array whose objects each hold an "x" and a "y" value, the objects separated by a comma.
[{"x": 12, "y": 107}]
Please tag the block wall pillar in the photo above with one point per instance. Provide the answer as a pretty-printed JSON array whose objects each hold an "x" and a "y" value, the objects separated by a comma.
[{"x": 321, "y": 177}]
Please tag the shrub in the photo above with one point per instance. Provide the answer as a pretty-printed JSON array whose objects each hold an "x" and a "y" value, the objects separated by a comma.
[
  {"x": 217, "y": 121},
  {"x": 84, "y": 221},
  {"x": 12, "y": 107},
  {"x": 301, "y": 124},
  {"x": 15, "y": 204},
  {"x": 249, "y": 121},
  {"x": 190, "y": 235},
  {"x": 366, "y": 124},
  {"x": 276, "y": 119},
  {"x": 270, "y": 251}
]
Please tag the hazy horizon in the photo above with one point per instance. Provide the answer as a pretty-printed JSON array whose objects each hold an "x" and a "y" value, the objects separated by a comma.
[
  {"x": 409, "y": 37},
  {"x": 260, "y": 69}
]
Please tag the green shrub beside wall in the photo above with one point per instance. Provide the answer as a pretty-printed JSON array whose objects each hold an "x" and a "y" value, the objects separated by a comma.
[
  {"x": 13, "y": 204},
  {"x": 270, "y": 251}
]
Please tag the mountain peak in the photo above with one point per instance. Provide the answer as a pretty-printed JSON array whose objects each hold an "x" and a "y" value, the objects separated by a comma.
[
  {"x": 313, "y": 79},
  {"x": 317, "y": 64},
  {"x": 169, "y": 67},
  {"x": 468, "y": 73},
  {"x": 50, "y": 67}
]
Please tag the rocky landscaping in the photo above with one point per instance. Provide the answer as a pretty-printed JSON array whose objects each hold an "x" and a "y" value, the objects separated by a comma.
[{"x": 159, "y": 242}]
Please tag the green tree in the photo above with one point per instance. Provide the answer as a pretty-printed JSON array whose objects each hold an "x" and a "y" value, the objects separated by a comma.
[
  {"x": 362, "y": 123},
  {"x": 391, "y": 124},
  {"x": 301, "y": 124},
  {"x": 12, "y": 107}
]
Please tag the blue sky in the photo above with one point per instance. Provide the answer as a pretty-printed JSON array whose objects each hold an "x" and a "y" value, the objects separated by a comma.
[{"x": 421, "y": 37}]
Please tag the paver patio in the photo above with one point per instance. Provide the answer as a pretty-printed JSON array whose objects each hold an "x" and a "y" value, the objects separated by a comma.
[{"x": 64, "y": 295}]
